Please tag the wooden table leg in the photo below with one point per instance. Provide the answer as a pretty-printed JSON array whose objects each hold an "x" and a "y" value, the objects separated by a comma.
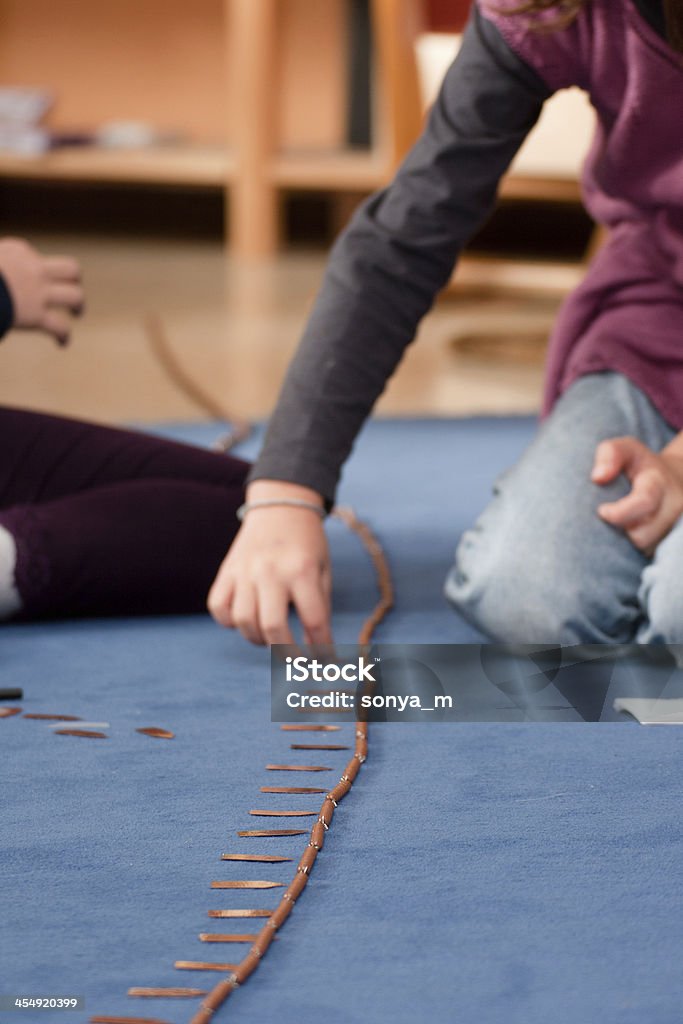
[
  {"x": 254, "y": 213},
  {"x": 396, "y": 25}
]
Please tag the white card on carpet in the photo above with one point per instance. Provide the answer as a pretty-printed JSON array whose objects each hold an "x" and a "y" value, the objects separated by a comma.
[{"x": 652, "y": 710}]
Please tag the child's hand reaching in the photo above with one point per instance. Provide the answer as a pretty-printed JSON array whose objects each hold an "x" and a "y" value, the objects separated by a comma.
[
  {"x": 46, "y": 291},
  {"x": 279, "y": 557},
  {"x": 655, "y": 501}
]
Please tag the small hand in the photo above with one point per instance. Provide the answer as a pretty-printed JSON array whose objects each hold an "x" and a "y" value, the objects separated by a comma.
[
  {"x": 279, "y": 557},
  {"x": 46, "y": 291},
  {"x": 655, "y": 502}
]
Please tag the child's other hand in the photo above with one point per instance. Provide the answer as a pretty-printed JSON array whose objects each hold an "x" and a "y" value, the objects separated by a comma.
[
  {"x": 279, "y": 556},
  {"x": 655, "y": 501},
  {"x": 46, "y": 290}
]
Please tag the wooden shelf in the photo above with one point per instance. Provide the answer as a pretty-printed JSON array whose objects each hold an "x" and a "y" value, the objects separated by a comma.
[
  {"x": 486, "y": 275},
  {"x": 197, "y": 166},
  {"x": 194, "y": 166},
  {"x": 553, "y": 189},
  {"x": 269, "y": 76},
  {"x": 282, "y": 111},
  {"x": 332, "y": 169},
  {"x": 214, "y": 167}
]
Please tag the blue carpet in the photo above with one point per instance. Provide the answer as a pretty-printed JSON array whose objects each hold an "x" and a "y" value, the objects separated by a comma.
[{"x": 484, "y": 874}]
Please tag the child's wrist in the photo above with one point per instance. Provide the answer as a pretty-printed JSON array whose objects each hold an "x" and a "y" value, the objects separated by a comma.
[{"x": 271, "y": 490}]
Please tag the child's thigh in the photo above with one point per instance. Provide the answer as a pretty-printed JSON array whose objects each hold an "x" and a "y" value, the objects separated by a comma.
[
  {"x": 540, "y": 565},
  {"x": 45, "y": 458}
]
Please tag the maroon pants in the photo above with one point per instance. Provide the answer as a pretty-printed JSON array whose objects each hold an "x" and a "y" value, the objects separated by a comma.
[{"x": 112, "y": 522}]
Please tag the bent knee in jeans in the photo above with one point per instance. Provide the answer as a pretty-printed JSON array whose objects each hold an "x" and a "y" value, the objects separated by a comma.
[
  {"x": 540, "y": 566},
  {"x": 521, "y": 595}
]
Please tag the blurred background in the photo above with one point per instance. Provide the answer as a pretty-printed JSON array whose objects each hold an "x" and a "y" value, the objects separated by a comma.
[{"x": 199, "y": 159}]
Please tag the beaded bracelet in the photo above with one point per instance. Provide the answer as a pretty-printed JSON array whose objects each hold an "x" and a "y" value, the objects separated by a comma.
[{"x": 294, "y": 502}]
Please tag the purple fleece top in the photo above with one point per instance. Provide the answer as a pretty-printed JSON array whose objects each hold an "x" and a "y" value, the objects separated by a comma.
[{"x": 627, "y": 314}]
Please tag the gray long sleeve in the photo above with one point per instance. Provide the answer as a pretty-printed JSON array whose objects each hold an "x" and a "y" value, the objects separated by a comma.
[{"x": 397, "y": 253}]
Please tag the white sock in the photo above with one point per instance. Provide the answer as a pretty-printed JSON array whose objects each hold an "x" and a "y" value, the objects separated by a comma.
[{"x": 10, "y": 602}]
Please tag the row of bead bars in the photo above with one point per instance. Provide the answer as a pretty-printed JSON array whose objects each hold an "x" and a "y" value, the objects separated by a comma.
[
  {"x": 239, "y": 973},
  {"x": 251, "y": 961}
]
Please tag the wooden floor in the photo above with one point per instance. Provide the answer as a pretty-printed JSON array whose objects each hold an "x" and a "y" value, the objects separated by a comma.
[{"x": 235, "y": 329}]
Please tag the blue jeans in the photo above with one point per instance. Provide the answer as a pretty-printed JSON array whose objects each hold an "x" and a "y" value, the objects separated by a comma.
[{"x": 540, "y": 566}]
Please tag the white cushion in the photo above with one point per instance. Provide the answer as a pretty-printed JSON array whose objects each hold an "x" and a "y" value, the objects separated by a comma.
[{"x": 557, "y": 145}]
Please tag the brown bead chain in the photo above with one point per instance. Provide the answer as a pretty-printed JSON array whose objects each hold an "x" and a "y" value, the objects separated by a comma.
[
  {"x": 240, "y": 429},
  {"x": 248, "y": 965},
  {"x": 261, "y": 941},
  {"x": 161, "y": 349}
]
